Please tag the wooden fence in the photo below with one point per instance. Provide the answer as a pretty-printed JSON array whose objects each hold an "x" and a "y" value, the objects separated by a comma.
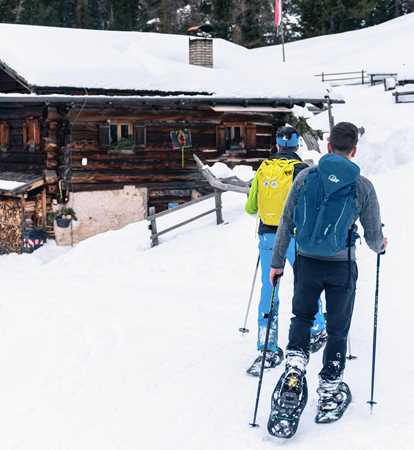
[{"x": 152, "y": 216}]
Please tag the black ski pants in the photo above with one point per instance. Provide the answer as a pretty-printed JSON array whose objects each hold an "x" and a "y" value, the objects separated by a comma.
[{"x": 338, "y": 280}]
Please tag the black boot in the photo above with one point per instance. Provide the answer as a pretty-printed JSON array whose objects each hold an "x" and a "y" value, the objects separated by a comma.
[
  {"x": 289, "y": 397},
  {"x": 334, "y": 398}
]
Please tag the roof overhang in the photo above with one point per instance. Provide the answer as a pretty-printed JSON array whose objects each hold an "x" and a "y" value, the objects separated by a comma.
[
  {"x": 241, "y": 103},
  {"x": 15, "y": 184},
  {"x": 15, "y": 77},
  {"x": 250, "y": 109}
]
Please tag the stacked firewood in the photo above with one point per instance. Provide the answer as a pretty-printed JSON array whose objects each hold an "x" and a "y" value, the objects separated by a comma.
[{"x": 10, "y": 226}]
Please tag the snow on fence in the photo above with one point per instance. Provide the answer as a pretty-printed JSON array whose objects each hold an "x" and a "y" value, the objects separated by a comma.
[{"x": 152, "y": 216}]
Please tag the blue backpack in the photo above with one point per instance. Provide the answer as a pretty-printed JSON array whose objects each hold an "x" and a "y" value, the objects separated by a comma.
[{"x": 326, "y": 209}]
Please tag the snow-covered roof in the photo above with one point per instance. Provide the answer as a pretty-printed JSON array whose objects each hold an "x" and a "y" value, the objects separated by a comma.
[{"x": 59, "y": 57}]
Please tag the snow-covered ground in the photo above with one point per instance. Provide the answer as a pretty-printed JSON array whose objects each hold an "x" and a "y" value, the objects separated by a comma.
[{"x": 116, "y": 346}]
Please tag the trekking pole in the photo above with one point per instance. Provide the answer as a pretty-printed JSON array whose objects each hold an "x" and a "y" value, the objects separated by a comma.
[
  {"x": 350, "y": 355},
  {"x": 243, "y": 329},
  {"x": 374, "y": 342},
  {"x": 269, "y": 321}
]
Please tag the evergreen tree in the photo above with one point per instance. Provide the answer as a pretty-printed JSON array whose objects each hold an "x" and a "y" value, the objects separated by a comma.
[
  {"x": 8, "y": 11},
  {"x": 243, "y": 21},
  {"x": 319, "y": 17},
  {"x": 69, "y": 13},
  {"x": 222, "y": 15}
]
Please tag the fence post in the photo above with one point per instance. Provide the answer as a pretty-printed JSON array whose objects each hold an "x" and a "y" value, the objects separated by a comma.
[
  {"x": 219, "y": 212},
  {"x": 323, "y": 79},
  {"x": 331, "y": 117},
  {"x": 153, "y": 227},
  {"x": 363, "y": 77}
]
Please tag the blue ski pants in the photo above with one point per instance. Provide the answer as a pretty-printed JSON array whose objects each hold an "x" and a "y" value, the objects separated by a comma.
[{"x": 266, "y": 241}]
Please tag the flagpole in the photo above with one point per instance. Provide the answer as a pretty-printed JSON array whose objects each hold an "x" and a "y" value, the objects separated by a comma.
[
  {"x": 279, "y": 25},
  {"x": 283, "y": 40}
]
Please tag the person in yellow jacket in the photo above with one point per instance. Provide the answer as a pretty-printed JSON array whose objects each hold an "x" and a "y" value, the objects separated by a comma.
[{"x": 267, "y": 197}]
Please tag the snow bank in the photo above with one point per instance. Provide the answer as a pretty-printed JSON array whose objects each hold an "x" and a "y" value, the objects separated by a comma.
[
  {"x": 389, "y": 135},
  {"x": 378, "y": 49}
]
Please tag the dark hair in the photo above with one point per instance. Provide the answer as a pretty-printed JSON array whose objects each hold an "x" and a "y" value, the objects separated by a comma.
[{"x": 344, "y": 137}]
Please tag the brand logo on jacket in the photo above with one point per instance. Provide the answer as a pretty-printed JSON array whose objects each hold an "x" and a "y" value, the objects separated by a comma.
[{"x": 333, "y": 179}]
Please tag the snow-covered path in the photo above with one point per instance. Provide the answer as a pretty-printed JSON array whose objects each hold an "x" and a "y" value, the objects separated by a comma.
[{"x": 114, "y": 345}]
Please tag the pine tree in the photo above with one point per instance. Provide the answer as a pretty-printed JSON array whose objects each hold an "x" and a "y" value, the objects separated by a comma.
[
  {"x": 8, "y": 10},
  {"x": 222, "y": 18},
  {"x": 318, "y": 17}
]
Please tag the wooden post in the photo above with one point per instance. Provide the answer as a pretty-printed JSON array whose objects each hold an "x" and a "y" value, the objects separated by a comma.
[
  {"x": 363, "y": 77},
  {"x": 331, "y": 117},
  {"x": 44, "y": 208},
  {"x": 22, "y": 226},
  {"x": 219, "y": 212},
  {"x": 153, "y": 227}
]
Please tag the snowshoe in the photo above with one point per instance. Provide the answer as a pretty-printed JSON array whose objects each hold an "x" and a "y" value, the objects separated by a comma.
[
  {"x": 317, "y": 341},
  {"x": 272, "y": 360},
  {"x": 288, "y": 402},
  {"x": 332, "y": 403}
]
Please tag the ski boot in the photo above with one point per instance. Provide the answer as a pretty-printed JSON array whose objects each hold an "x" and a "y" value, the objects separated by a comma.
[
  {"x": 317, "y": 341},
  {"x": 334, "y": 398},
  {"x": 288, "y": 401},
  {"x": 272, "y": 360}
]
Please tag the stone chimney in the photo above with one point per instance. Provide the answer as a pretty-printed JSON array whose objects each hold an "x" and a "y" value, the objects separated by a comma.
[{"x": 201, "y": 51}]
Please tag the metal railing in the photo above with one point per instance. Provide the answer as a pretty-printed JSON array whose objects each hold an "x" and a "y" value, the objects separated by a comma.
[
  {"x": 378, "y": 78},
  {"x": 404, "y": 97},
  {"x": 152, "y": 216},
  {"x": 359, "y": 77}
]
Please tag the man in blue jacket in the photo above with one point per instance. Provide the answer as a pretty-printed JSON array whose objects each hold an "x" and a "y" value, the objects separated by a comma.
[{"x": 322, "y": 208}]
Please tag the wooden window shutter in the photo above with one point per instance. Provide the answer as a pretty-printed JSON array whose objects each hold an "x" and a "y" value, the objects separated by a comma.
[
  {"x": 251, "y": 136},
  {"x": 4, "y": 133},
  {"x": 31, "y": 132},
  {"x": 221, "y": 138},
  {"x": 140, "y": 135},
  {"x": 104, "y": 137}
]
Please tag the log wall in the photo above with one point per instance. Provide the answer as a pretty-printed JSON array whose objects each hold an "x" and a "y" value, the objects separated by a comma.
[
  {"x": 37, "y": 136},
  {"x": 156, "y": 165}
]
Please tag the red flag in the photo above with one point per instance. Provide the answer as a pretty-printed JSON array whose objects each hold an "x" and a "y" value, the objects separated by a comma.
[{"x": 278, "y": 13}]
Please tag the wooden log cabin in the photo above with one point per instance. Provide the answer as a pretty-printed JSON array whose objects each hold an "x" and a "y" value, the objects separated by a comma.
[{"x": 108, "y": 154}]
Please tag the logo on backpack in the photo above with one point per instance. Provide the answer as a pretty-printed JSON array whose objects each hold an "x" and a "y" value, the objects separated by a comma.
[{"x": 326, "y": 208}]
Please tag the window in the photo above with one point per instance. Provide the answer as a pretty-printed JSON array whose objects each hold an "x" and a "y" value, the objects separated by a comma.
[
  {"x": 122, "y": 137},
  {"x": 236, "y": 136}
]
